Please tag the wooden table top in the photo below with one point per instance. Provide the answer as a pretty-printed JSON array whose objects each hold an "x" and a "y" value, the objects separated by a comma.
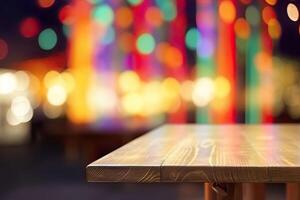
[{"x": 205, "y": 153}]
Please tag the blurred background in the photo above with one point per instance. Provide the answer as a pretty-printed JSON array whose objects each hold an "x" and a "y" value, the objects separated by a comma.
[{"x": 79, "y": 78}]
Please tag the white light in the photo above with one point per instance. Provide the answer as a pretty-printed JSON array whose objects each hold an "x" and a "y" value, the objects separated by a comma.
[
  {"x": 12, "y": 119},
  {"x": 23, "y": 80},
  {"x": 57, "y": 95},
  {"x": 203, "y": 92},
  {"x": 292, "y": 12},
  {"x": 102, "y": 100},
  {"x": 20, "y": 106},
  {"x": 20, "y": 111},
  {"x": 8, "y": 83}
]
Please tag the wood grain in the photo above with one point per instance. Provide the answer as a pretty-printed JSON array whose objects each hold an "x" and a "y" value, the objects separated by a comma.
[
  {"x": 138, "y": 161},
  {"x": 205, "y": 153}
]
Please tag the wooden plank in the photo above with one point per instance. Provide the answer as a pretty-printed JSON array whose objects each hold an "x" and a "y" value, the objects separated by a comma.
[
  {"x": 235, "y": 153},
  {"x": 138, "y": 161},
  {"x": 204, "y": 153}
]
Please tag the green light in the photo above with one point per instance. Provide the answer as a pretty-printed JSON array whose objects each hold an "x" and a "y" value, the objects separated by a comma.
[
  {"x": 168, "y": 9},
  {"x": 104, "y": 14},
  {"x": 47, "y": 39},
  {"x": 134, "y": 2},
  {"x": 252, "y": 15},
  {"x": 191, "y": 38},
  {"x": 66, "y": 30},
  {"x": 145, "y": 43}
]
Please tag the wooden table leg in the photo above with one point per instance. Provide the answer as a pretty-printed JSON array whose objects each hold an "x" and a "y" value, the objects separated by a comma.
[
  {"x": 254, "y": 191},
  {"x": 209, "y": 193},
  {"x": 292, "y": 191},
  {"x": 223, "y": 191}
]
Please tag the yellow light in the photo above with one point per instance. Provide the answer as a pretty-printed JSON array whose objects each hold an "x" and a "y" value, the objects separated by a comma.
[
  {"x": 8, "y": 83},
  {"x": 170, "y": 87},
  {"x": 129, "y": 81},
  {"x": 227, "y": 11},
  {"x": 132, "y": 103},
  {"x": 68, "y": 81},
  {"x": 50, "y": 78},
  {"x": 171, "y": 94},
  {"x": 152, "y": 98},
  {"x": 203, "y": 91},
  {"x": 186, "y": 90},
  {"x": 57, "y": 95},
  {"x": 222, "y": 87},
  {"x": 292, "y": 12}
]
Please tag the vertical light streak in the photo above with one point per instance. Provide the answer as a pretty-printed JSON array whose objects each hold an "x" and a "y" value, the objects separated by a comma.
[
  {"x": 141, "y": 62},
  {"x": 253, "y": 107},
  {"x": 80, "y": 61},
  {"x": 177, "y": 39},
  {"x": 205, "y": 48},
  {"x": 224, "y": 107}
]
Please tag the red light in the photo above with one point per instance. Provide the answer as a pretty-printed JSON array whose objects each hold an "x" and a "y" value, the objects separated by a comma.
[
  {"x": 3, "y": 49},
  {"x": 64, "y": 15},
  {"x": 29, "y": 27}
]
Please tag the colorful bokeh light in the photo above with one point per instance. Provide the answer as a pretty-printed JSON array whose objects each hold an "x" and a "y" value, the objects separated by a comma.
[
  {"x": 47, "y": 39},
  {"x": 29, "y": 27},
  {"x": 45, "y": 3},
  {"x": 145, "y": 43}
]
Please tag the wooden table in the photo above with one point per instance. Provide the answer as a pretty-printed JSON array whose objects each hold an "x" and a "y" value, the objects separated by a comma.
[{"x": 223, "y": 156}]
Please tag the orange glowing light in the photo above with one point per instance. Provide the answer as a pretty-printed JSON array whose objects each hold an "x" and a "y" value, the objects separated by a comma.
[
  {"x": 227, "y": 11},
  {"x": 160, "y": 51},
  {"x": 154, "y": 16},
  {"x": 126, "y": 42},
  {"x": 81, "y": 51},
  {"x": 242, "y": 28},
  {"x": 274, "y": 28},
  {"x": 124, "y": 17},
  {"x": 173, "y": 57},
  {"x": 46, "y": 3},
  {"x": 268, "y": 14},
  {"x": 263, "y": 61},
  {"x": 271, "y": 2}
]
